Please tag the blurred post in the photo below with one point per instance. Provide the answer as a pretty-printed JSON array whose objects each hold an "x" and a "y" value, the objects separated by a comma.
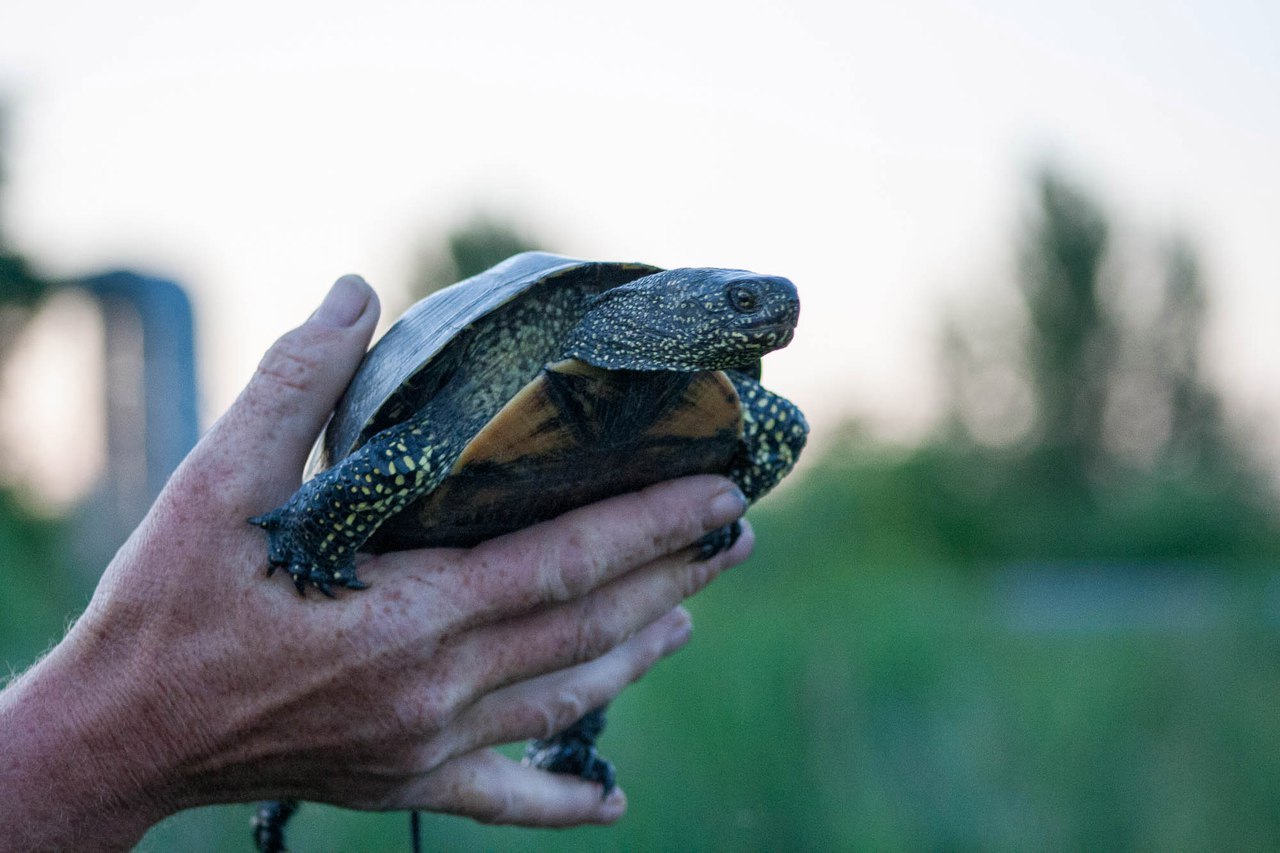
[{"x": 150, "y": 402}]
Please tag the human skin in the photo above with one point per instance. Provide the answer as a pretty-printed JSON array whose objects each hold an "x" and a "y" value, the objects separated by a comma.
[{"x": 192, "y": 679}]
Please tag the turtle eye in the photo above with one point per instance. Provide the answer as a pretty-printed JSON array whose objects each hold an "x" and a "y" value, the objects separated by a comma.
[{"x": 743, "y": 298}]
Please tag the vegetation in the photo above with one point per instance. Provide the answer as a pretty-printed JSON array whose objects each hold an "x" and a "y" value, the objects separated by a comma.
[
  {"x": 1058, "y": 631},
  {"x": 32, "y": 609},
  {"x": 483, "y": 241}
]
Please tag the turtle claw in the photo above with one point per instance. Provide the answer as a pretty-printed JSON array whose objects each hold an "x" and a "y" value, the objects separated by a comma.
[
  {"x": 718, "y": 541},
  {"x": 285, "y": 551},
  {"x": 325, "y": 581},
  {"x": 268, "y": 824},
  {"x": 573, "y": 753}
]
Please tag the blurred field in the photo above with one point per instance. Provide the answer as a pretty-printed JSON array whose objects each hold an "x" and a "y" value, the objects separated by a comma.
[
  {"x": 853, "y": 686},
  {"x": 831, "y": 703},
  {"x": 1053, "y": 623}
]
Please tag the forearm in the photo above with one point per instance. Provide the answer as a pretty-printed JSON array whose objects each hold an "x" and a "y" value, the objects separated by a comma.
[{"x": 77, "y": 770}]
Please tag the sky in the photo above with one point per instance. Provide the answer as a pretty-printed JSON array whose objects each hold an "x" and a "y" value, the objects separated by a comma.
[{"x": 877, "y": 154}]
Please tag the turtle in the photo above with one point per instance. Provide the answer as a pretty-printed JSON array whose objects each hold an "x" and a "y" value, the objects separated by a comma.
[{"x": 539, "y": 385}]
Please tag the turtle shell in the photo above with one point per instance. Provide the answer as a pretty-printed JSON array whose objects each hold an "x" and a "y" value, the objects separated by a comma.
[
  {"x": 421, "y": 349},
  {"x": 572, "y": 435}
]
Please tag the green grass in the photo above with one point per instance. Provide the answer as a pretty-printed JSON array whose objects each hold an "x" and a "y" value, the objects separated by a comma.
[
  {"x": 899, "y": 667},
  {"x": 829, "y": 704}
]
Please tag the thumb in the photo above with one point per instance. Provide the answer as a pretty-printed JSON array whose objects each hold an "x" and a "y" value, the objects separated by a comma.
[{"x": 268, "y": 431}]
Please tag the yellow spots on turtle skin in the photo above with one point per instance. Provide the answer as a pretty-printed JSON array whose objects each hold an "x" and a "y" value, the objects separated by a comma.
[{"x": 391, "y": 472}]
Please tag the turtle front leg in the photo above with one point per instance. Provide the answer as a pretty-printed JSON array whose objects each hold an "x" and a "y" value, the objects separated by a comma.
[
  {"x": 773, "y": 434},
  {"x": 573, "y": 752},
  {"x": 316, "y": 534}
]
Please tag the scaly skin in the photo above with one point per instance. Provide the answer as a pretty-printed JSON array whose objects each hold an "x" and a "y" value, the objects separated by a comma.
[
  {"x": 774, "y": 433},
  {"x": 316, "y": 534}
]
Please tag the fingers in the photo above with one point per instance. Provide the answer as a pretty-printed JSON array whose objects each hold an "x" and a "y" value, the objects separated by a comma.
[
  {"x": 283, "y": 408},
  {"x": 564, "y": 558},
  {"x": 543, "y": 706},
  {"x": 512, "y": 650},
  {"x": 490, "y": 788}
]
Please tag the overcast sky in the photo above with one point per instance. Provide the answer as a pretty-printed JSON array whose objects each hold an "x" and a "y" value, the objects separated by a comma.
[{"x": 878, "y": 154}]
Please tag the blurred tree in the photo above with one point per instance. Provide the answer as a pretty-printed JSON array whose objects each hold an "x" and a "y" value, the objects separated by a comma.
[
  {"x": 1071, "y": 337},
  {"x": 1096, "y": 384},
  {"x": 473, "y": 247},
  {"x": 1077, "y": 429},
  {"x": 1196, "y": 433}
]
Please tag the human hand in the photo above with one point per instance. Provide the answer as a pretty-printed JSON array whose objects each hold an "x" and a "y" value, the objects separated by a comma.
[{"x": 191, "y": 679}]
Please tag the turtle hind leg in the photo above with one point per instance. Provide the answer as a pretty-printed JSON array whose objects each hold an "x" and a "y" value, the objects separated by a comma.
[
  {"x": 718, "y": 541},
  {"x": 268, "y": 824},
  {"x": 573, "y": 752}
]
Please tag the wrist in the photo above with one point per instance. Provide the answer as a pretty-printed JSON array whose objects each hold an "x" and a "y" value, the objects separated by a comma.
[{"x": 82, "y": 766}]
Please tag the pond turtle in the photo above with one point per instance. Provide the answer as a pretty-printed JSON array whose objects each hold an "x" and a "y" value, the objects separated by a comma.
[{"x": 543, "y": 384}]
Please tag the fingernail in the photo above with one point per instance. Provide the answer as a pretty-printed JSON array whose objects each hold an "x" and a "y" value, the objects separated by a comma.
[
  {"x": 614, "y": 805},
  {"x": 679, "y": 632},
  {"x": 726, "y": 507},
  {"x": 344, "y": 303}
]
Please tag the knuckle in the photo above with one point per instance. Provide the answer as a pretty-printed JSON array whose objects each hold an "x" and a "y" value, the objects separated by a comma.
[
  {"x": 576, "y": 566},
  {"x": 544, "y": 716},
  {"x": 288, "y": 363},
  {"x": 562, "y": 709},
  {"x": 424, "y": 714},
  {"x": 429, "y": 755},
  {"x": 408, "y": 717},
  {"x": 496, "y": 807},
  {"x": 671, "y": 529},
  {"x": 696, "y": 576},
  {"x": 591, "y": 635}
]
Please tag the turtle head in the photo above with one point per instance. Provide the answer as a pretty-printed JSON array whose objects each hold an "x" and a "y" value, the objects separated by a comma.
[{"x": 687, "y": 319}]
